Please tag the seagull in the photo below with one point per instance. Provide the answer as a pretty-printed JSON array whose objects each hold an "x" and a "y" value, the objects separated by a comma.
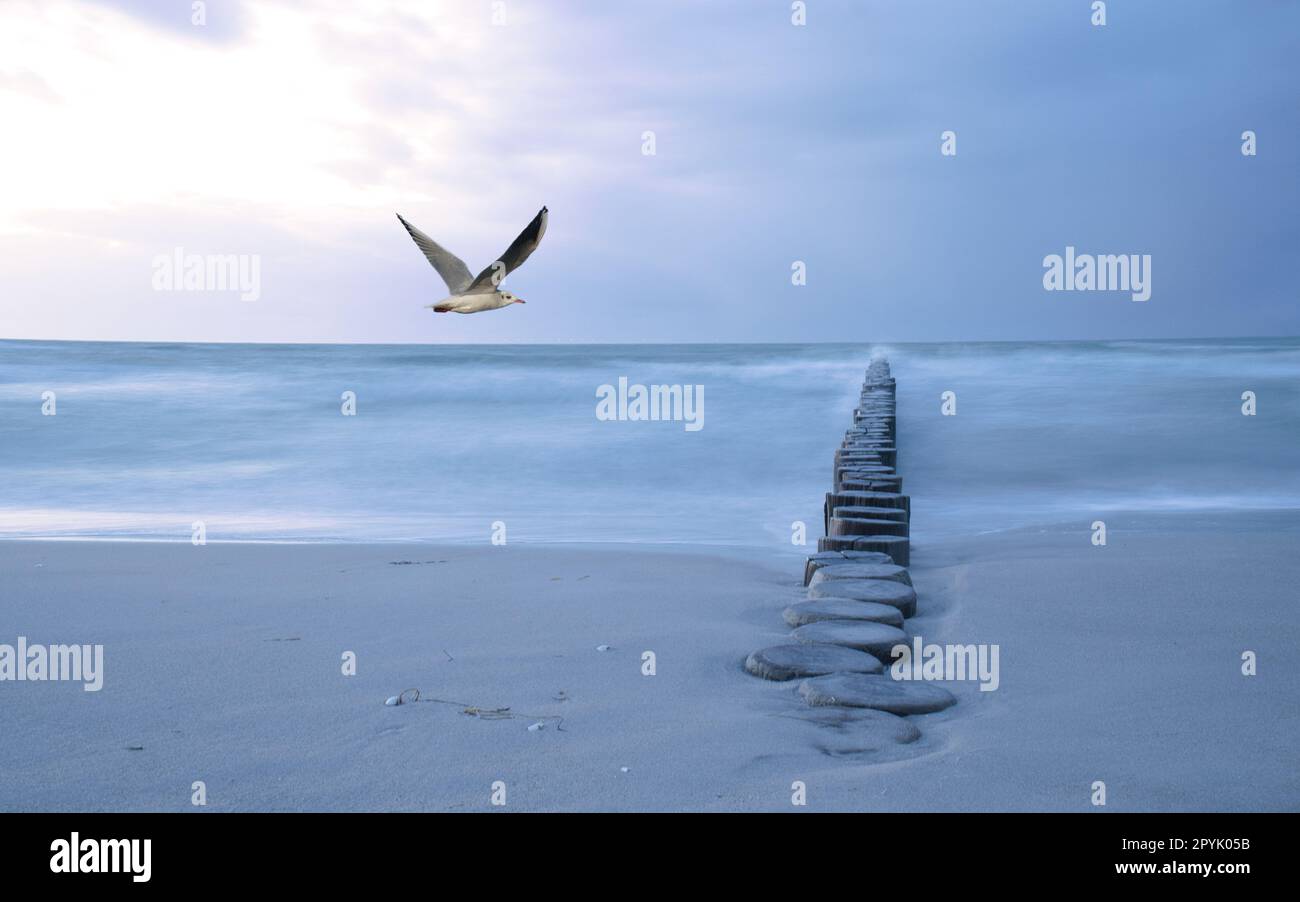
[{"x": 473, "y": 294}]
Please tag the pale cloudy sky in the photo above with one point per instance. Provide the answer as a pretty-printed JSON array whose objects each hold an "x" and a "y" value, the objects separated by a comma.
[{"x": 295, "y": 130}]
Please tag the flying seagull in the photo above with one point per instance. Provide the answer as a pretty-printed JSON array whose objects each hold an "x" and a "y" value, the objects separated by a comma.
[{"x": 472, "y": 294}]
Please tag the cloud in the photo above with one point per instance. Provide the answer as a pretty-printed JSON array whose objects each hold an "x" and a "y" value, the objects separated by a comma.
[
  {"x": 207, "y": 21},
  {"x": 28, "y": 85},
  {"x": 295, "y": 131}
]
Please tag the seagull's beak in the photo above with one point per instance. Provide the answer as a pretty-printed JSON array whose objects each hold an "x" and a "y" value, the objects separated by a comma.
[{"x": 520, "y": 301}]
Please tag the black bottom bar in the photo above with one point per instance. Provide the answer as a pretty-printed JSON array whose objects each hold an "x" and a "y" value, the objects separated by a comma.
[{"x": 549, "y": 852}]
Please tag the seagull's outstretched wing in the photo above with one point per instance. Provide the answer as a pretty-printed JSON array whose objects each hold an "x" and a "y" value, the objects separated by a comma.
[
  {"x": 515, "y": 255},
  {"x": 452, "y": 268}
]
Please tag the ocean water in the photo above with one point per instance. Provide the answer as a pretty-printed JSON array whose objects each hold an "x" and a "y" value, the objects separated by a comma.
[{"x": 448, "y": 440}]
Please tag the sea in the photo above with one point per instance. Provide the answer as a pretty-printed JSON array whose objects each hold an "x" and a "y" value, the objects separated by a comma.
[{"x": 464, "y": 443}]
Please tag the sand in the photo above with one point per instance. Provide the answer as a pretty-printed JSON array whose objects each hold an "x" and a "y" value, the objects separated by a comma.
[{"x": 223, "y": 664}]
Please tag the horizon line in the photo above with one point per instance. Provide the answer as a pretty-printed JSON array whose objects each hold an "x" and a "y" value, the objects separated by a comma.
[{"x": 538, "y": 344}]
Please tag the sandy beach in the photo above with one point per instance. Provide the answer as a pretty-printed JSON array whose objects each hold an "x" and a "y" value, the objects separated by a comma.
[{"x": 223, "y": 664}]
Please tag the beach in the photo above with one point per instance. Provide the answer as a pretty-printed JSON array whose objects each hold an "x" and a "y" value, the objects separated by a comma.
[
  {"x": 223, "y": 664},
  {"x": 574, "y": 597}
]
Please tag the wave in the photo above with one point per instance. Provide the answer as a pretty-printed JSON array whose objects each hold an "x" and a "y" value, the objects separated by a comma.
[{"x": 450, "y": 439}]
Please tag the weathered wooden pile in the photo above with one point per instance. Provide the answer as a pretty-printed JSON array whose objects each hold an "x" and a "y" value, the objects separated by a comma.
[{"x": 859, "y": 592}]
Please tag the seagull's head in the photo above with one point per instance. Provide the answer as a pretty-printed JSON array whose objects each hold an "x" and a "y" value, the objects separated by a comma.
[{"x": 508, "y": 298}]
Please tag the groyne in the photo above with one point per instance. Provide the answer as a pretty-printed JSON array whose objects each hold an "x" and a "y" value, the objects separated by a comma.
[{"x": 859, "y": 592}]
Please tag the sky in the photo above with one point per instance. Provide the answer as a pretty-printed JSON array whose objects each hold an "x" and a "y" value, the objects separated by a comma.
[{"x": 289, "y": 134}]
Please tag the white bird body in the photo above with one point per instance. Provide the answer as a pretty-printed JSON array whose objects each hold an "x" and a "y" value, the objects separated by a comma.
[
  {"x": 474, "y": 303},
  {"x": 474, "y": 294}
]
